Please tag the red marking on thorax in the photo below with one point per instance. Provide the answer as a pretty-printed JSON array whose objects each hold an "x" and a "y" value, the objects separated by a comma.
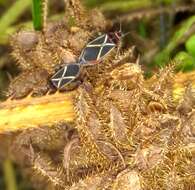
[{"x": 115, "y": 36}]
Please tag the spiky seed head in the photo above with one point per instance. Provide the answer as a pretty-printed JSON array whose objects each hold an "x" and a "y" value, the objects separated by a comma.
[
  {"x": 127, "y": 180},
  {"x": 27, "y": 40},
  {"x": 126, "y": 72}
]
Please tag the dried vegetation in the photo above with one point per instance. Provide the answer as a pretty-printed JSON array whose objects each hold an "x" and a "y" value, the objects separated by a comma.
[{"x": 125, "y": 132}]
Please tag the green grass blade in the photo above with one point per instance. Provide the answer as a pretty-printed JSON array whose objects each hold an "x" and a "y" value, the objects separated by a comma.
[
  {"x": 37, "y": 14},
  {"x": 9, "y": 174},
  {"x": 12, "y": 14},
  {"x": 163, "y": 57}
]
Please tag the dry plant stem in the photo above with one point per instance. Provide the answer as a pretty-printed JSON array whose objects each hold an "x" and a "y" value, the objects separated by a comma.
[
  {"x": 151, "y": 12},
  {"x": 124, "y": 6},
  {"x": 35, "y": 111},
  {"x": 50, "y": 109}
]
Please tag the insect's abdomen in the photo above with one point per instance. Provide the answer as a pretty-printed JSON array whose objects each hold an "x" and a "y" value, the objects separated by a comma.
[{"x": 65, "y": 75}]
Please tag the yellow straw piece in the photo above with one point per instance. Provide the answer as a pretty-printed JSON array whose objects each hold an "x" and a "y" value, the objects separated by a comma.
[
  {"x": 181, "y": 81},
  {"x": 36, "y": 111}
]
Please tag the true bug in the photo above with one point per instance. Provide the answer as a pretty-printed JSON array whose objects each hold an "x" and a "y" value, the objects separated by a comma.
[
  {"x": 92, "y": 54},
  {"x": 66, "y": 75},
  {"x": 98, "y": 48}
]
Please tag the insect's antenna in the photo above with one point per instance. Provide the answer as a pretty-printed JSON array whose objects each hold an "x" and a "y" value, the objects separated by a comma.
[
  {"x": 120, "y": 22},
  {"x": 125, "y": 34},
  {"x": 44, "y": 13}
]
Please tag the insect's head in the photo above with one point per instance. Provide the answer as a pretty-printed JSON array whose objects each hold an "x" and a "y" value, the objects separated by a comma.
[{"x": 119, "y": 33}]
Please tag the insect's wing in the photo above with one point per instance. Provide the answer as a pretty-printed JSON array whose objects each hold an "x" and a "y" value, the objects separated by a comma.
[
  {"x": 107, "y": 47},
  {"x": 90, "y": 52},
  {"x": 98, "y": 40},
  {"x": 65, "y": 75},
  {"x": 96, "y": 50}
]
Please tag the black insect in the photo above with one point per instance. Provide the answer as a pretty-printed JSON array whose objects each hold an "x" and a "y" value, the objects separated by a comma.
[
  {"x": 97, "y": 49},
  {"x": 65, "y": 75}
]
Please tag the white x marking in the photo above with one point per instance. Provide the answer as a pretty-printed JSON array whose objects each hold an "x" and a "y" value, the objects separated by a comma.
[
  {"x": 101, "y": 45},
  {"x": 62, "y": 78}
]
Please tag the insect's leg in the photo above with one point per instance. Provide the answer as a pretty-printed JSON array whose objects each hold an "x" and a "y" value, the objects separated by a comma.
[{"x": 118, "y": 50}]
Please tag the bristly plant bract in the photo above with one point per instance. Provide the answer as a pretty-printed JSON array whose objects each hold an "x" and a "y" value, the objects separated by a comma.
[{"x": 128, "y": 133}]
